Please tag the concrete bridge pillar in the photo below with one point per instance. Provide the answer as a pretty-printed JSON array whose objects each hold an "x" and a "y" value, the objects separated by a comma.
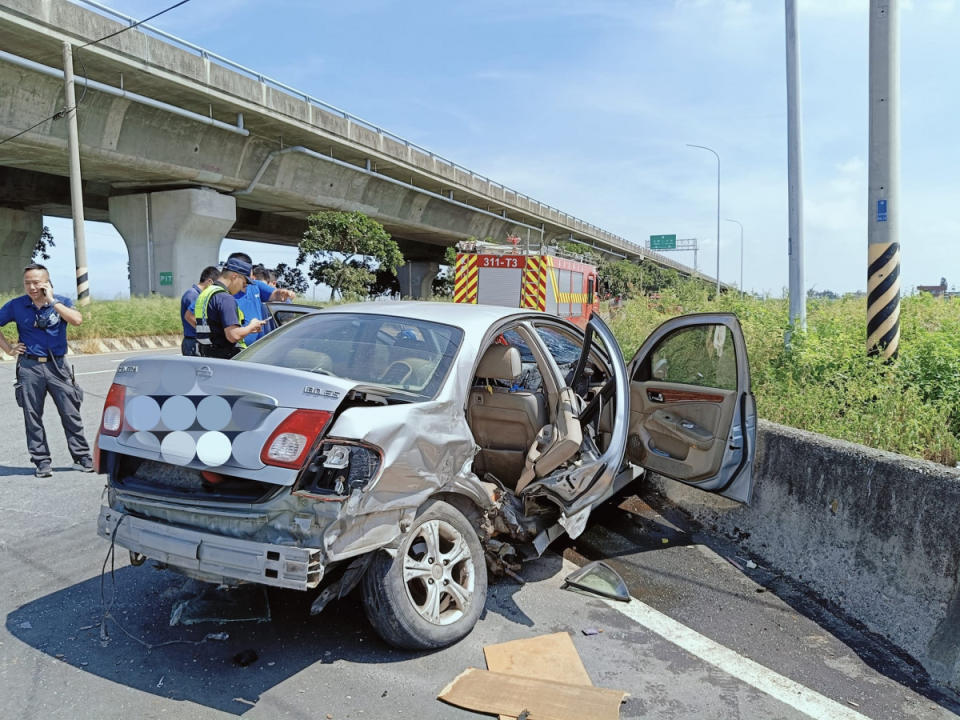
[
  {"x": 416, "y": 278},
  {"x": 171, "y": 236},
  {"x": 19, "y": 232}
]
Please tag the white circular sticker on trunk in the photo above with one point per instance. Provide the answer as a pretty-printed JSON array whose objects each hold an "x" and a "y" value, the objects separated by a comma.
[
  {"x": 213, "y": 448},
  {"x": 178, "y": 412},
  {"x": 178, "y": 448},
  {"x": 142, "y": 412},
  {"x": 214, "y": 412}
]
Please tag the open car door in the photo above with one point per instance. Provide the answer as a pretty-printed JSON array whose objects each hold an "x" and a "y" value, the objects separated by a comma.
[
  {"x": 285, "y": 312},
  {"x": 578, "y": 459},
  {"x": 692, "y": 415}
]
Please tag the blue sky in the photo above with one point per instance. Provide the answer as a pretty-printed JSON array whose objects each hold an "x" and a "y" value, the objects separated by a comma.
[{"x": 588, "y": 106}]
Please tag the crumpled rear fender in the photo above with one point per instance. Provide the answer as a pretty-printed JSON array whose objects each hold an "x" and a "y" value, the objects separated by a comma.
[{"x": 427, "y": 448}]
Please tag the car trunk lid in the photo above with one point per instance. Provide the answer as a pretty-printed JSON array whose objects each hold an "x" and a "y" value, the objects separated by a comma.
[{"x": 187, "y": 418}]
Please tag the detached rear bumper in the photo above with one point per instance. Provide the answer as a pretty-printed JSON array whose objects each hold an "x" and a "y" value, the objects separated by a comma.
[{"x": 214, "y": 557}]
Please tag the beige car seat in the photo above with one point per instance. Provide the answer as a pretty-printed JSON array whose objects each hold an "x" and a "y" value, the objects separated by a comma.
[{"x": 505, "y": 423}]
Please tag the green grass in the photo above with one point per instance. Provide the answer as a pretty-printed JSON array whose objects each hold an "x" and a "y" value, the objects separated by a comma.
[
  {"x": 122, "y": 318},
  {"x": 824, "y": 382}
]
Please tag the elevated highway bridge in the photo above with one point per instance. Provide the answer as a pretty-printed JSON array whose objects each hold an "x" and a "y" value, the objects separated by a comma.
[{"x": 181, "y": 147}]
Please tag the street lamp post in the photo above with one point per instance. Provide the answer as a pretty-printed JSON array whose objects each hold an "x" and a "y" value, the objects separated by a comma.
[
  {"x": 704, "y": 147},
  {"x": 741, "y": 252}
]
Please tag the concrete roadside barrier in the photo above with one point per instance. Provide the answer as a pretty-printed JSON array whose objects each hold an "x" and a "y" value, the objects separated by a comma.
[{"x": 875, "y": 533}]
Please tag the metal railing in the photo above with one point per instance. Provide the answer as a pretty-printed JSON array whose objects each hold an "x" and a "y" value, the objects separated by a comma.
[
  {"x": 310, "y": 99},
  {"x": 542, "y": 209}
]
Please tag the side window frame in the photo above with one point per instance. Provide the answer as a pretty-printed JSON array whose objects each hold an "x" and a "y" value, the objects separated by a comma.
[
  {"x": 645, "y": 370},
  {"x": 576, "y": 337}
]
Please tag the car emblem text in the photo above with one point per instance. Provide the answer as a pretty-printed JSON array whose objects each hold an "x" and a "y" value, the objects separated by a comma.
[
  {"x": 321, "y": 392},
  {"x": 126, "y": 369},
  {"x": 205, "y": 371}
]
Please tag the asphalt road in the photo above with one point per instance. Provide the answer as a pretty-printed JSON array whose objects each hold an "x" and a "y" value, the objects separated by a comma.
[{"x": 702, "y": 639}]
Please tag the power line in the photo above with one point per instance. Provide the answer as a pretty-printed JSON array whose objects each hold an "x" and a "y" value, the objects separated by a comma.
[
  {"x": 139, "y": 22},
  {"x": 63, "y": 112},
  {"x": 56, "y": 116}
]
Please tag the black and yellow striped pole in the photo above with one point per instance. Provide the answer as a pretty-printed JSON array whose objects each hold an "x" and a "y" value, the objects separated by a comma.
[
  {"x": 883, "y": 220},
  {"x": 883, "y": 299}
]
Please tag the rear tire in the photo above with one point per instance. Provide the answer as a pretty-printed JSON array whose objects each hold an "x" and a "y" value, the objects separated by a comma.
[{"x": 432, "y": 593}]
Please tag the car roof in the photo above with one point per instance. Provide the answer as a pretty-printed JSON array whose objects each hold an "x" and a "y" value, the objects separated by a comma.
[{"x": 462, "y": 315}]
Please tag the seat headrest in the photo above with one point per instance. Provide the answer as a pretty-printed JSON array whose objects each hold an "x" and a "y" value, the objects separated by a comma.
[{"x": 500, "y": 362}]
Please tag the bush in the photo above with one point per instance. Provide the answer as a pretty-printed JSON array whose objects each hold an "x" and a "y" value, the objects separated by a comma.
[{"x": 825, "y": 382}]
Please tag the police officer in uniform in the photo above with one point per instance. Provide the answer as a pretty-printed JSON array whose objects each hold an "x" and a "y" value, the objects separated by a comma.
[
  {"x": 42, "y": 319},
  {"x": 207, "y": 278},
  {"x": 220, "y": 328}
]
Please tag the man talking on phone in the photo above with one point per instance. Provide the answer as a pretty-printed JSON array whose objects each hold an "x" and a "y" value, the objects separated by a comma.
[{"x": 42, "y": 319}]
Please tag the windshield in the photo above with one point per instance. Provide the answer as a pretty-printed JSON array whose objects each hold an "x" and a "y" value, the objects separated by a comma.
[{"x": 401, "y": 353}]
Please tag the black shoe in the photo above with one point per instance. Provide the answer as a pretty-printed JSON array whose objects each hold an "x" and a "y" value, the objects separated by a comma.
[
  {"x": 84, "y": 465},
  {"x": 43, "y": 471}
]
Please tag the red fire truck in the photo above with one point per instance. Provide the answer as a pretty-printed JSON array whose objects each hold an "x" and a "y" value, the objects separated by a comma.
[{"x": 548, "y": 279}]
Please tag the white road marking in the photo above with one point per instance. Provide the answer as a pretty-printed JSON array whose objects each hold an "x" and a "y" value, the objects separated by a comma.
[
  {"x": 98, "y": 372},
  {"x": 777, "y": 686}
]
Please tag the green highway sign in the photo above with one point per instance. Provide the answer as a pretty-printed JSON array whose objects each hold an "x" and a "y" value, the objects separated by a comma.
[
  {"x": 663, "y": 242},
  {"x": 166, "y": 278}
]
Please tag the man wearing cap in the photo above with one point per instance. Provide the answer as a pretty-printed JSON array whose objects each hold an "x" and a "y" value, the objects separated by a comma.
[
  {"x": 250, "y": 300},
  {"x": 42, "y": 320},
  {"x": 220, "y": 329}
]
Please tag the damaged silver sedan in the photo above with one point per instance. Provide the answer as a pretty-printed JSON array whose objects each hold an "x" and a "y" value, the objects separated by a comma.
[{"x": 410, "y": 448}]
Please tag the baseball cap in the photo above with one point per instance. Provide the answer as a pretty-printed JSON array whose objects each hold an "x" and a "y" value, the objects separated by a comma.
[{"x": 239, "y": 267}]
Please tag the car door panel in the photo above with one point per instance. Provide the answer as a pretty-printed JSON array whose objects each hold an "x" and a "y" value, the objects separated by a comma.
[
  {"x": 680, "y": 431},
  {"x": 692, "y": 414}
]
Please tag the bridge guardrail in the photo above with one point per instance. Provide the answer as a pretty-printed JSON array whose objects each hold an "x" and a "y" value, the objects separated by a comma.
[
  {"x": 543, "y": 210},
  {"x": 306, "y": 97}
]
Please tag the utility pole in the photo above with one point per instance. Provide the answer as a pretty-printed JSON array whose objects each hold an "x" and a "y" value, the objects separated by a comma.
[
  {"x": 883, "y": 190},
  {"x": 798, "y": 293},
  {"x": 76, "y": 189},
  {"x": 740, "y": 225},
  {"x": 717, "y": 155}
]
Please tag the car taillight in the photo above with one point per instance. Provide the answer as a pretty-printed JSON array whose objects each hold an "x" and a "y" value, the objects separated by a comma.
[
  {"x": 289, "y": 443},
  {"x": 112, "y": 420}
]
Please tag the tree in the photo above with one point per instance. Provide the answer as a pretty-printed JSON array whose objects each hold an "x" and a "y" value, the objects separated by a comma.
[
  {"x": 345, "y": 250},
  {"x": 589, "y": 254},
  {"x": 443, "y": 282},
  {"x": 619, "y": 279},
  {"x": 385, "y": 283},
  {"x": 657, "y": 279},
  {"x": 44, "y": 243},
  {"x": 291, "y": 278}
]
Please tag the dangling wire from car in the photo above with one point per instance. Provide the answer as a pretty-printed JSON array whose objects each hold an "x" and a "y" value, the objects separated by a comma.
[{"x": 106, "y": 607}]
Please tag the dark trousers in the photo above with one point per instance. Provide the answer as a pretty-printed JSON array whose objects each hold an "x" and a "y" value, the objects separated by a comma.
[
  {"x": 189, "y": 347},
  {"x": 224, "y": 352},
  {"x": 36, "y": 380}
]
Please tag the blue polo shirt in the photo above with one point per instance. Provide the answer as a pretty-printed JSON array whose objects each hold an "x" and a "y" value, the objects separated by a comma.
[
  {"x": 188, "y": 302},
  {"x": 51, "y": 340},
  {"x": 251, "y": 303}
]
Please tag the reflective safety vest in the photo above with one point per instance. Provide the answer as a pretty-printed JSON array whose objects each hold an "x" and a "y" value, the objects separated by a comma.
[{"x": 203, "y": 325}]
